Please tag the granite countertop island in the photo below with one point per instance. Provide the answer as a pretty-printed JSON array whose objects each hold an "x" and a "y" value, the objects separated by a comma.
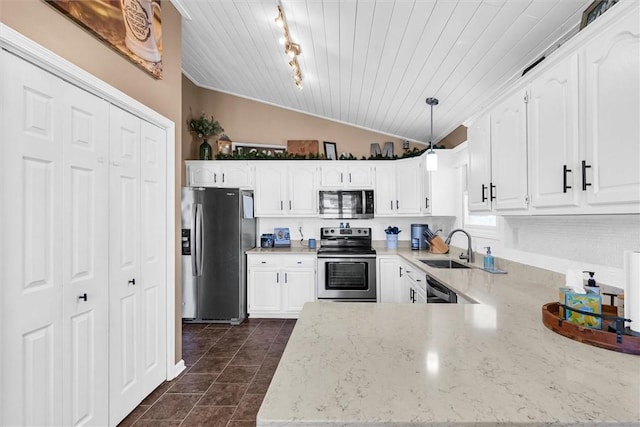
[{"x": 491, "y": 363}]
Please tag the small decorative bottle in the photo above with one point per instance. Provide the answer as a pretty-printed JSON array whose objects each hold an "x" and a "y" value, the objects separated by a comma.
[{"x": 205, "y": 151}]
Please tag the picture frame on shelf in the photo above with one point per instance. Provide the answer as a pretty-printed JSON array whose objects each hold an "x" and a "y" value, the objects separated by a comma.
[
  {"x": 266, "y": 149},
  {"x": 330, "y": 150},
  {"x": 595, "y": 9}
]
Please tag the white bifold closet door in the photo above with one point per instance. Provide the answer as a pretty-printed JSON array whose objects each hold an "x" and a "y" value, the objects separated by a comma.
[
  {"x": 84, "y": 251},
  {"x": 55, "y": 249},
  {"x": 137, "y": 330}
]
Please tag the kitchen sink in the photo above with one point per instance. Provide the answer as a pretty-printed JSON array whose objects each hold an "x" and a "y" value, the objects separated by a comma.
[{"x": 443, "y": 263}]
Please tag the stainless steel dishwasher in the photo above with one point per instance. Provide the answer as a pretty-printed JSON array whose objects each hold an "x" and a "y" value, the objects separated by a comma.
[{"x": 437, "y": 293}]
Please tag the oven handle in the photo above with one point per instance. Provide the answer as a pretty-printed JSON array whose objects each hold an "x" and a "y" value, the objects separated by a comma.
[{"x": 343, "y": 256}]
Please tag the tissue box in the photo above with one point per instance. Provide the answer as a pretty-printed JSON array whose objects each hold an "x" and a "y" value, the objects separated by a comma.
[{"x": 586, "y": 302}]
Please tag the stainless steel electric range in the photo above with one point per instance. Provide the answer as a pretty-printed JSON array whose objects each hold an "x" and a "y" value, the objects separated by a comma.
[{"x": 346, "y": 265}]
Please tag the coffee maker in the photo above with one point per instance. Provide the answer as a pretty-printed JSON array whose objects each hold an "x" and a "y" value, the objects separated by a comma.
[{"x": 418, "y": 241}]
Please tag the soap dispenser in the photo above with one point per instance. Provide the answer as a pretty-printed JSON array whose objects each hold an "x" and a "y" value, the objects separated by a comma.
[
  {"x": 591, "y": 285},
  {"x": 488, "y": 259}
]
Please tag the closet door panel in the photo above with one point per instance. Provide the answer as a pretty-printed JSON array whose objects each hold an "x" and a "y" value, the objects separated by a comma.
[
  {"x": 124, "y": 265},
  {"x": 32, "y": 244},
  {"x": 152, "y": 258},
  {"x": 85, "y": 277}
]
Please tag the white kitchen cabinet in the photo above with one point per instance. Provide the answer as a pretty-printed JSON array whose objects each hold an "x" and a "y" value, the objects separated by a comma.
[
  {"x": 221, "y": 174},
  {"x": 416, "y": 285},
  {"x": 346, "y": 174},
  {"x": 409, "y": 183},
  {"x": 399, "y": 187},
  {"x": 479, "y": 175},
  {"x": 497, "y": 178},
  {"x": 85, "y": 212},
  {"x": 284, "y": 189},
  {"x": 278, "y": 285},
  {"x": 508, "y": 187},
  {"x": 440, "y": 187},
  {"x": 610, "y": 176},
  {"x": 388, "y": 278},
  {"x": 580, "y": 127},
  {"x": 553, "y": 136},
  {"x": 385, "y": 189}
]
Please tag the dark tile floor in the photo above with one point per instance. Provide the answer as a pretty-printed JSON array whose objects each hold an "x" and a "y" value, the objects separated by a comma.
[{"x": 229, "y": 369}]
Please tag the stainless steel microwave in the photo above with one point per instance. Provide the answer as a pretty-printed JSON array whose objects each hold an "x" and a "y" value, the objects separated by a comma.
[{"x": 349, "y": 204}]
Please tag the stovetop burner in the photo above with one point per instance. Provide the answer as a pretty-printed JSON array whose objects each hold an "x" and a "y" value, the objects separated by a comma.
[{"x": 351, "y": 241}]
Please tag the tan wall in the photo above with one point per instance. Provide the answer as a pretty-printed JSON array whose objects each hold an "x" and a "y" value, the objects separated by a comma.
[
  {"x": 455, "y": 138},
  {"x": 191, "y": 105},
  {"x": 42, "y": 23},
  {"x": 245, "y": 120}
]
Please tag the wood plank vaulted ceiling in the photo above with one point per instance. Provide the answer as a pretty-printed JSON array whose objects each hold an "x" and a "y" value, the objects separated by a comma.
[{"x": 371, "y": 63}]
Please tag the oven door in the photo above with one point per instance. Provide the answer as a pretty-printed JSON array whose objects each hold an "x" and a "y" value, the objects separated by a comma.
[{"x": 347, "y": 278}]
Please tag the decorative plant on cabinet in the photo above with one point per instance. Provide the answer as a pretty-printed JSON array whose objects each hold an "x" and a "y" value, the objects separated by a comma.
[{"x": 204, "y": 128}]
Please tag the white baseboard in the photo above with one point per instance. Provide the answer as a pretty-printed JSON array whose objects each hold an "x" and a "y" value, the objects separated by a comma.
[{"x": 177, "y": 370}]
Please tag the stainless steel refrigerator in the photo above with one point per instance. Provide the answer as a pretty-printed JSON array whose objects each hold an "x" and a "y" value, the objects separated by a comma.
[{"x": 218, "y": 227}]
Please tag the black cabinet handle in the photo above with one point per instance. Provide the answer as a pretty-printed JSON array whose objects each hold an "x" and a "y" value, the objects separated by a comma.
[
  {"x": 391, "y": 202},
  {"x": 223, "y": 177},
  {"x": 397, "y": 205},
  {"x": 289, "y": 204},
  {"x": 400, "y": 271},
  {"x": 281, "y": 205},
  {"x": 585, "y": 184},
  {"x": 83, "y": 296},
  {"x": 564, "y": 178},
  {"x": 484, "y": 196},
  {"x": 426, "y": 202},
  {"x": 492, "y": 195},
  {"x": 132, "y": 282},
  {"x": 341, "y": 177}
]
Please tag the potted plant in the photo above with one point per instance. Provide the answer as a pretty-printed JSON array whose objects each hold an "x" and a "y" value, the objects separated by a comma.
[
  {"x": 204, "y": 128},
  {"x": 392, "y": 236}
]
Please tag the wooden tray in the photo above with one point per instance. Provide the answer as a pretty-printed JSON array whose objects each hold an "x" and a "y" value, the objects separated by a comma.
[{"x": 599, "y": 338}]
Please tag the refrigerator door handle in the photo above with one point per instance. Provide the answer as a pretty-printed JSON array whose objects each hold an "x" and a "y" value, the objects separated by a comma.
[{"x": 196, "y": 257}]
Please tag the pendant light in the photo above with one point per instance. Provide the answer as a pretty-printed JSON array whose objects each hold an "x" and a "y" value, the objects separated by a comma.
[{"x": 432, "y": 157}]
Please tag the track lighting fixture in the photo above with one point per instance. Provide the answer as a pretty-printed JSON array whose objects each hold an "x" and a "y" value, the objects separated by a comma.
[{"x": 291, "y": 49}]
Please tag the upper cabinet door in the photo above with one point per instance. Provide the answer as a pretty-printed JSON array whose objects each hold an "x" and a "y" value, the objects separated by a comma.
[
  {"x": 611, "y": 130},
  {"x": 303, "y": 190},
  {"x": 553, "y": 136},
  {"x": 345, "y": 174},
  {"x": 359, "y": 176},
  {"x": 270, "y": 189},
  {"x": 509, "y": 153},
  {"x": 479, "y": 178},
  {"x": 409, "y": 186}
]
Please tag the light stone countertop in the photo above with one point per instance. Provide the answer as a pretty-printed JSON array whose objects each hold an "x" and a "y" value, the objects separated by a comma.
[{"x": 492, "y": 363}]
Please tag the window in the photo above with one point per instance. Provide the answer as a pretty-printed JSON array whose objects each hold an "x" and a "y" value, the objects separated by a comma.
[{"x": 473, "y": 219}]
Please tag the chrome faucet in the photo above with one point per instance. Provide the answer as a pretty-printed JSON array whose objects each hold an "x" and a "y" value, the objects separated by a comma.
[{"x": 469, "y": 255}]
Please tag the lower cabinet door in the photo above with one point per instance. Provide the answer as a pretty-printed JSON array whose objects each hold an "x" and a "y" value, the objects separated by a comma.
[
  {"x": 299, "y": 287},
  {"x": 264, "y": 290}
]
